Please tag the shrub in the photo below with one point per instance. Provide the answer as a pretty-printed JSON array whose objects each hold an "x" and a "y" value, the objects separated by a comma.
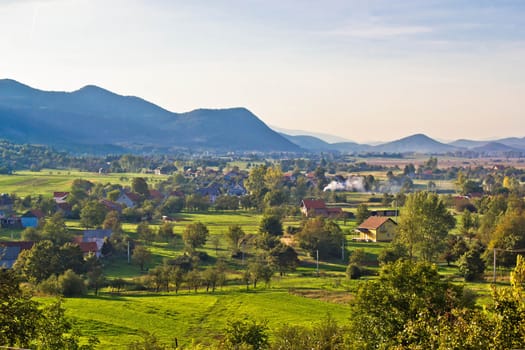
[
  {"x": 354, "y": 271},
  {"x": 71, "y": 284}
]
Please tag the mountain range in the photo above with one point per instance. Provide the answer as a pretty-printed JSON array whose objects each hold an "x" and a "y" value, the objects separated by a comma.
[{"x": 92, "y": 118}]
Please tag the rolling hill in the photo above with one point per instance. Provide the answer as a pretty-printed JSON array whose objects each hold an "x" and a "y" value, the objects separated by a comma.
[{"x": 92, "y": 116}]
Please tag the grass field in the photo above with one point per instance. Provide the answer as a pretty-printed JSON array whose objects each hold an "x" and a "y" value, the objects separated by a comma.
[
  {"x": 46, "y": 181},
  {"x": 116, "y": 320}
]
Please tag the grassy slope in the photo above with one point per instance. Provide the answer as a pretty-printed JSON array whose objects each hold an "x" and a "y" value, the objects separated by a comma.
[{"x": 188, "y": 316}]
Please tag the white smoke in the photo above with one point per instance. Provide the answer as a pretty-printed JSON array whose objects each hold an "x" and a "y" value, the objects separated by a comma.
[{"x": 352, "y": 184}]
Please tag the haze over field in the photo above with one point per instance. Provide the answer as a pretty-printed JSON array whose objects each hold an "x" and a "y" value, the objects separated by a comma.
[{"x": 362, "y": 70}]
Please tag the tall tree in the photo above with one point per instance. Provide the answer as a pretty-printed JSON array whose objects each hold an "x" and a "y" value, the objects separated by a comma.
[
  {"x": 141, "y": 256},
  {"x": 140, "y": 186},
  {"x": 93, "y": 214},
  {"x": 55, "y": 230},
  {"x": 195, "y": 236},
  {"x": 424, "y": 224}
]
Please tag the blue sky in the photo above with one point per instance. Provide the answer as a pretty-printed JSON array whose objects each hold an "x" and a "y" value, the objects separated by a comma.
[{"x": 364, "y": 70}]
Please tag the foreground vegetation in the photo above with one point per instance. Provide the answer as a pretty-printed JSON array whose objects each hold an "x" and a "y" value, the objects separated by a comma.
[{"x": 259, "y": 277}]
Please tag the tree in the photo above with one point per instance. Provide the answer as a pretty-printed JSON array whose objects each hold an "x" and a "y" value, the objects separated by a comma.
[
  {"x": 145, "y": 232},
  {"x": 112, "y": 222},
  {"x": 424, "y": 224},
  {"x": 55, "y": 230},
  {"x": 39, "y": 262},
  {"x": 285, "y": 258},
  {"x": 195, "y": 236},
  {"x": 271, "y": 224},
  {"x": 325, "y": 237},
  {"x": 403, "y": 291},
  {"x": 234, "y": 235},
  {"x": 509, "y": 234},
  {"x": 172, "y": 205},
  {"x": 140, "y": 186},
  {"x": 141, "y": 256},
  {"x": 471, "y": 266},
  {"x": 241, "y": 334},
  {"x": 166, "y": 231},
  {"x": 362, "y": 213},
  {"x": 26, "y": 323},
  {"x": 256, "y": 184},
  {"x": 92, "y": 214},
  {"x": 71, "y": 284}
]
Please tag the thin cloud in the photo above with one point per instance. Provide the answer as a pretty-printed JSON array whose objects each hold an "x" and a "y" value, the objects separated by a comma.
[{"x": 380, "y": 31}]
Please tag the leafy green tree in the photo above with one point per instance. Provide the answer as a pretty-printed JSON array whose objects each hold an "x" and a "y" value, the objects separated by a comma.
[
  {"x": 509, "y": 234},
  {"x": 92, "y": 214},
  {"x": 195, "y": 236},
  {"x": 362, "y": 213},
  {"x": 39, "y": 262},
  {"x": 392, "y": 253},
  {"x": 172, "y": 205},
  {"x": 284, "y": 257},
  {"x": 323, "y": 236},
  {"x": 470, "y": 264},
  {"x": 139, "y": 185},
  {"x": 234, "y": 235},
  {"x": 55, "y": 230},
  {"x": 241, "y": 334},
  {"x": 404, "y": 290},
  {"x": 141, "y": 256},
  {"x": 166, "y": 231},
  {"x": 271, "y": 224},
  {"x": 424, "y": 224},
  {"x": 256, "y": 184},
  {"x": 145, "y": 232},
  {"x": 71, "y": 284},
  {"x": 31, "y": 234},
  {"x": 112, "y": 222}
]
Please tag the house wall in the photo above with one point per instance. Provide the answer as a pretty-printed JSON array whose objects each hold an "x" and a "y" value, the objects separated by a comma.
[
  {"x": 386, "y": 232},
  {"x": 29, "y": 222},
  {"x": 371, "y": 235}
]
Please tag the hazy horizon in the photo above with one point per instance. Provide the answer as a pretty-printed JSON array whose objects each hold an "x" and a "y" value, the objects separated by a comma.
[{"x": 360, "y": 70}]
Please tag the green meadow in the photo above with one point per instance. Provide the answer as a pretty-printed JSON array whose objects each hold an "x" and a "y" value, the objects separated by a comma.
[{"x": 46, "y": 181}]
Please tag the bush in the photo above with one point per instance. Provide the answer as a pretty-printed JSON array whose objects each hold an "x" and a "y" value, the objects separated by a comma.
[
  {"x": 354, "y": 271},
  {"x": 50, "y": 286},
  {"x": 71, "y": 284}
]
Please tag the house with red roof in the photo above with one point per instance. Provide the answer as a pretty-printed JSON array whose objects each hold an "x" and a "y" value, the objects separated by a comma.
[
  {"x": 317, "y": 207},
  {"x": 129, "y": 199},
  {"x": 377, "y": 229}
]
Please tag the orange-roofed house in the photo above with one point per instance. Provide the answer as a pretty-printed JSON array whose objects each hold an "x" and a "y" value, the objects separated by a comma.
[
  {"x": 317, "y": 207},
  {"x": 377, "y": 229}
]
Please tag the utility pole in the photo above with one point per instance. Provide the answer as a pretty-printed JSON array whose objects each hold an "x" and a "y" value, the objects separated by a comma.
[
  {"x": 343, "y": 249},
  {"x": 317, "y": 262}
]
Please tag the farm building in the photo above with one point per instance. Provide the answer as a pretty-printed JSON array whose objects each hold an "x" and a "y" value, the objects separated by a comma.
[
  {"x": 377, "y": 229},
  {"x": 317, "y": 207},
  {"x": 31, "y": 218},
  {"x": 9, "y": 252}
]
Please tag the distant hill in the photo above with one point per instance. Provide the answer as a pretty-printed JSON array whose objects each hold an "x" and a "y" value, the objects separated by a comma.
[
  {"x": 418, "y": 143},
  {"x": 93, "y": 116},
  {"x": 328, "y": 138},
  {"x": 310, "y": 143},
  {"x": 494, "y": 148}
]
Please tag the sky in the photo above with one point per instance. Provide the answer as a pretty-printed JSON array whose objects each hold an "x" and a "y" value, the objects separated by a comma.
[{"x": 364, "y": 70}]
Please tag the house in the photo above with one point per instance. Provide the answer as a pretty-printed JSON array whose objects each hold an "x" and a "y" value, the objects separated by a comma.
[
  {"x": 156, "y": 195},
  {"x": 129, "y": 199},
  {"x": 60, "y": 197},
  {"x": 317, "y": 207},
  {"x": 11, "y": 222},
  {"x": 97, "y": 236},
  {"x": 237, "y": 190},
  {"x": 377, "y": 229},
  {"x": 212, "y": 192},
  {"x": 9, "y": 252},
  {"x": 89, "y": 248},
  {"x": 111, "y": 206},
  {"x": 31, "y": 218},
  {"x": 65, "y": 208},
  {"x": 6, "y": 202}
]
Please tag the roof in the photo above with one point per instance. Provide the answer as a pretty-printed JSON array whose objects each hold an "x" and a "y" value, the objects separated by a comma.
[
  {"x": 314, "y": 204},
  {"x": 35, "y": 213},
  {"x": 134, "y": 197},
  {"x": 21, "y": 244},
  {"x": 88, "y": 247},
  {"x": 60, "y": 194},
  {"x": 110, "y": 205},
  {"x": 155, "y": 194},
  {"x": 101, "y": 234},
  {"x": 374, "y": 222}
]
